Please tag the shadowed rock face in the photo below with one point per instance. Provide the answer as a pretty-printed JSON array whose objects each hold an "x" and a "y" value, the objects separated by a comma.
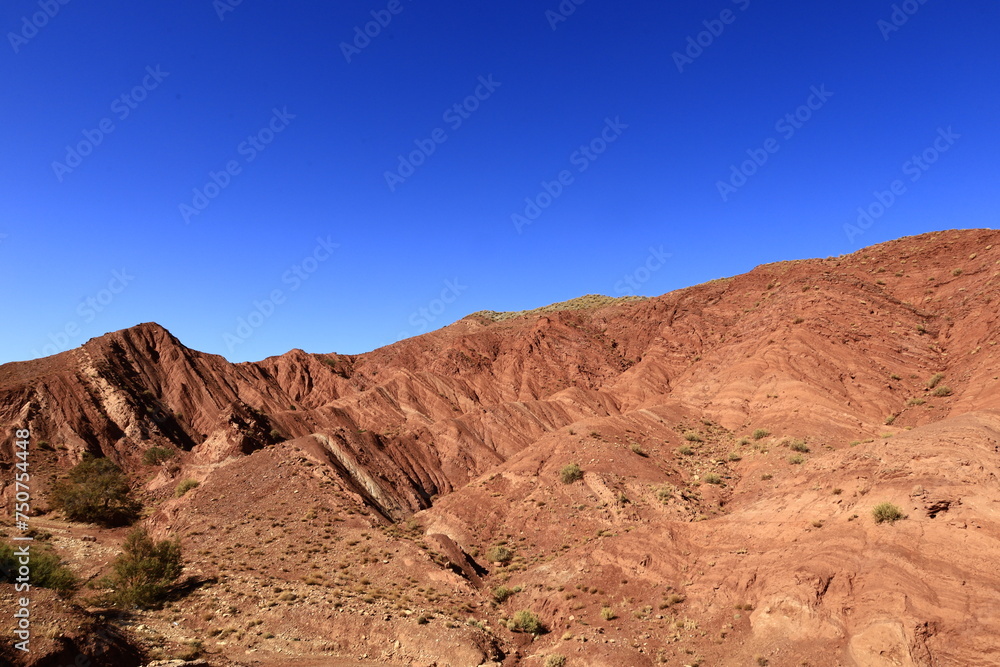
[{"x": 467, "y": 428}]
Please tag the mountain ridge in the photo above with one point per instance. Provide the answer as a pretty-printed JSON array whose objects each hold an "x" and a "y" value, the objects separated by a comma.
[{"x": 451, "y": 443}]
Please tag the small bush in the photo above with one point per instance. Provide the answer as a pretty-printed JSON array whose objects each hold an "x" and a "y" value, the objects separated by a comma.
[
  {"x": 571, "y": 473},
  {"x": 943, "y": 391},
  {"x": 637, "y": 449},
  {"x": 797, "y": 459},
  {"x": 734, "y": 456},
  {"x": 691, "y": 436},
  {"x": 760, "y": 433},
  {"x": 499, "y": 554},
  {"x": 890, "y": 420},
  {"x": 555, "y": 660},
  {"x": 526, "y": 621},
  {"x": 915, "y": 401},
  {"x": 144, "y": 571},
  {"x": 712, "y": 478},
  {"x": 608, "y": 614},
  {"x": 47, "y": 570},
  {"x": 665, "y": 493},
  {"x": 799, "y": 446},
  {"x": 502, "y": 593},
  {"x": 184, "y": 486},
  {"x": 886, "y": 511},
  {"x": 935, "y": 380},
  {"x": 155, "y": 456},
  {"x": 685, "y": 450},
  {"x": 97, "y": 491}
]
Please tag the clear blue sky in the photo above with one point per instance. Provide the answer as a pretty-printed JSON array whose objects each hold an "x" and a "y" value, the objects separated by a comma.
[{"x": 197, "y": 86}]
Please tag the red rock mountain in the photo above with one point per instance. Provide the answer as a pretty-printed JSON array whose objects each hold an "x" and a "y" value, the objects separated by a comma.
[{"x": 399, "y": 507}]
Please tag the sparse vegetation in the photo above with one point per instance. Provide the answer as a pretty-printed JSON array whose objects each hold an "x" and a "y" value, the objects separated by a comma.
[
  {"x": 571, "y": 473},
  {"x": 637, "y": 449},
  {"x": 184, "y": 486},
  {"x": 712, "y": 478},
  {"x": 97, "y": 491},
  {"x": 796, "y": 459},
  {"x": 685, "y": 450},
  {"x": 890, "y": 420},
  {"x": 608, "y": 614},
  {"x": 935, "y": 380},
  {"x": 665, "y": 493},
  {"x": 915, "y": 401},
  {"x": 526, "y": 621},
  {"x": 156, "y": 455},
  {"x": 691, "y": 436},
  {"x": 502, "y": 593},
  {"x": 943, "y": 390},
  {"x": 555, "y": 660},
  {"x": 500, "y": 553},
  {"x": 144, "y": 571},
  {"x": 799, "y": 446},
  {"x": 47, "y": 570},
  {"x": 760, "y": 433},
  {"x": 887, "y": 512}
]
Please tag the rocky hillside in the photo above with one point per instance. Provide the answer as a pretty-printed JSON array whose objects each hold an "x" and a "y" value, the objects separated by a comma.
[{"x": 399, "y": 507}]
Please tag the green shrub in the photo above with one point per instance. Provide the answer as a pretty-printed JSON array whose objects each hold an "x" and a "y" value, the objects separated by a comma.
[
  {"x": 691, "y": 436},
  {"x": 571, "y": 473},
  {"x": 184, "y": 486},
  {"x": 526, "y": 621},
  {"x": 915, "y": 401},
  {"x": 665, "y": 493},
  {"x": 799, "y": 446},
  {"x": 155, "y": 456},
  {"x": 97, "y": 491},
  {"x": 499, "y": 554},
  {"x": 144, "y": 571},
  {"x": 797, "y": 459},
  {"x": 935, "y": 380},
  {"x": 502, "y": 593},
  {"x": 685, "y": 450},
  {"x": 608, "y": 614},
  {"x": 886, "y": 511},
  {"x": 712, "y": 478},
  {"x": 760, "y": 433},
  {"x": 555, "y": 660},
  {"x": 943, "y": 391},
  {"x": 47, "y": 569}
]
